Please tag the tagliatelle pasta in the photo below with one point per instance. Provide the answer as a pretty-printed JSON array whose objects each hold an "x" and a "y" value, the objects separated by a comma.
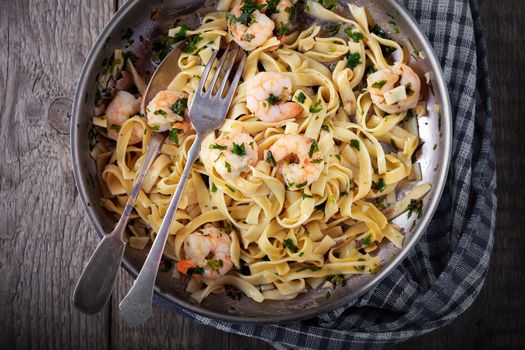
[{"x": 283, "y": 237}]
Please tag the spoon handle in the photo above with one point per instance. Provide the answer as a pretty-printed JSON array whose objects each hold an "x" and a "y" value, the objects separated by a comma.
[
  {"x": 95, "y": 285},
  {"x": 136, "y": 308}
]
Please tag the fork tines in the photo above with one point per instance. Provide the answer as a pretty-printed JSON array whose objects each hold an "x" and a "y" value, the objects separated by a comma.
[{"x": 223, "y": 70}]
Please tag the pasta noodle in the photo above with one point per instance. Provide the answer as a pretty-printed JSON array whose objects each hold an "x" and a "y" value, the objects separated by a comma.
[{"x": 281, "y": 237}]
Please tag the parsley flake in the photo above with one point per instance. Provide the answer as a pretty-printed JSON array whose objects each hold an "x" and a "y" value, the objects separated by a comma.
[
  {"x": 300, "y": 97},
  {"x": 379, "y": 84},
  {"x": 355, "y": 36},
  {"x": 353, "y": 60},
  {"x": 289, "y": 244},
  {"x": 313, "y": 148},
  {"x": 179, "y": 106},
  {"x": 238, "y": 149},
  {"x": 219, "y": 147},
  {"x": 269, "y": 158},
  {"x": 173, "y": 135}
]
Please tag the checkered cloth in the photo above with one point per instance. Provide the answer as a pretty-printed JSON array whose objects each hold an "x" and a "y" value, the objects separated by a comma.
[{"x": 445, "y": 271}]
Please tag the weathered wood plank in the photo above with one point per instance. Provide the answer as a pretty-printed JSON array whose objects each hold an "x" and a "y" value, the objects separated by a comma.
[
  {"x": 168, "y": 330},
  {"x": 45, "y": 237}
]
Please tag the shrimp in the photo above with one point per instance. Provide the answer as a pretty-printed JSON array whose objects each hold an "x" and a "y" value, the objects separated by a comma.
[
  {"x": 207, "y": 253},
  {"x": 383, "y": 81},
  {"x": 233, "y": 154},
  {"x": 165, "y": 109},
  {"x": 303, "y": 164},
  {"x": 266, "y": 96},
  {"x": 122, "y": 107},
  {"x": 248, "y": 26},
  {"x": 280, "y": 13}
]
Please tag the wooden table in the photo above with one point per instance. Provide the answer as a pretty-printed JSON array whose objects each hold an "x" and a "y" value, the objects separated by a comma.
[{"x": 45, "y": 236}]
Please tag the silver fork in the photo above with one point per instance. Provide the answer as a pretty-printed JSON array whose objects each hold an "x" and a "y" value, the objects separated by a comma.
[{"x": 207, "y": 113}]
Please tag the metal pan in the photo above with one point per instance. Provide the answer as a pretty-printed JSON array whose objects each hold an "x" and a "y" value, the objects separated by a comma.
[{"x": 150, "y": 18}]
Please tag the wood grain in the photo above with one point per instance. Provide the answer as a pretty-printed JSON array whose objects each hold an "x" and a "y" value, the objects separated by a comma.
[{"x": 45, "y": 236}]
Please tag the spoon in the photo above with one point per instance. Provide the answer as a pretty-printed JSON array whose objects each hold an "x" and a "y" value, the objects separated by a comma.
[{"x": 96, "y": 282}]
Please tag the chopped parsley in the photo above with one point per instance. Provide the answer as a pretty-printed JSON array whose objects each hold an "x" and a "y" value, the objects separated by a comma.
[
  {"x": 115, "y": 127},
  {"x": 415, "y": 206},
  {"x": 300, "y": 97},
  {"x": 336, "y": 280},
  {"x": 360, "y": 268},
  {"x": 381, "y": 185},
  {"x": 353, "y": 60},
  {"x": 155, "y": 127},
  {"x": 305, "y": 195},
  {"x": 181, "y": 34},
  {"x": 215, "y": 264},
  {"x": 239, "y": 149},
  {"x": 173, "y": 135},
  {"x": 195, "y": 271},
  {"x": 272, "y": 99},
  {"x": 162, "y": 46},
  {"x": 355, "y": 143},
  {"x": 355, "y": 36},
  {"x": 328, "y": 4},
  {"x": 269, "y": 158},
  {"x": 248, "y": 8},
  {"x": 313, "y": 148},
  {"x": 92, "y": 137},
  {"x": 367, "y": 240},
  {"x": 370, "y": 69},
  {"x": 387, "y": 50},
  {"x": 213, "y": 187},
  {"x": 272, "y": 7},
  {"x": 179, "y": 106},
  {"x": 301, "y": 185},
  {"x": 228, "y": 166},
  {"x": 316, "y": 107},
  {"x": 248, "y": 37},
  {"x": 325, "y": 127},
  {"x": 379, "y": 84},
  {"x": 289, "y": 244},
  {"x": 219, "y": 147},
  {"x": 282, "y": 30},
  {"x": 332, "y": 29},
  {"x": 192, "y": 44},
  {"x": 160, "y": 112}
]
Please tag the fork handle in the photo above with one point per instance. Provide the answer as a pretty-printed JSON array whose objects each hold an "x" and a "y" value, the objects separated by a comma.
[
  {"x": 136, "y": 307},
  {"x": 95, "y": 285}
]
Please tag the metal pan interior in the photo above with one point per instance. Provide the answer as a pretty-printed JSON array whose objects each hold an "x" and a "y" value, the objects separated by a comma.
[{"x": 435, "y": 131}]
